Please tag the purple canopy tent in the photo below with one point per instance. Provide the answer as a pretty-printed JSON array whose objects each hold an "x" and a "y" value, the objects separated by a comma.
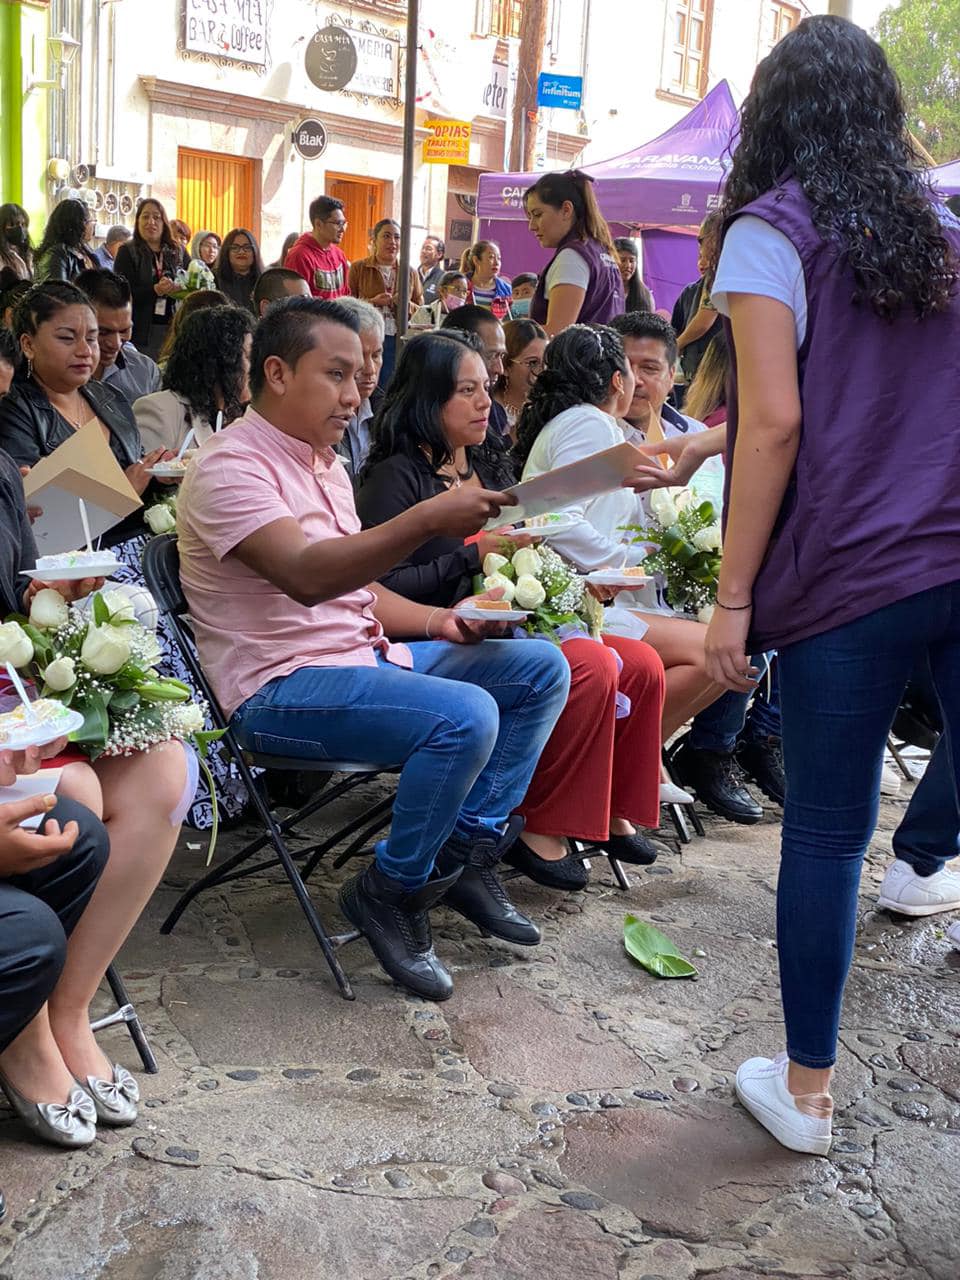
[
  {"x": 946, "y": 177},
  {"x": 662, "y": 190}
]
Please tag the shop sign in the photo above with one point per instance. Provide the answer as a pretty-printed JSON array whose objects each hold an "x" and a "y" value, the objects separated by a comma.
[
  {"x": 231, "y": 29},
  {"x": 565, "y": 92},
  {"x": 496, "y": 91},
  {"x": 449, "y": 142},
  {"x": 331, "y": 59},
  {"x": 310, "y": 138},
  {"x": 378, "y": 66}
]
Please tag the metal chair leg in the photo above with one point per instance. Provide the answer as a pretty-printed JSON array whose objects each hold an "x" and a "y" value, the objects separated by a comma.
[{"x": 126, "y": 1013}]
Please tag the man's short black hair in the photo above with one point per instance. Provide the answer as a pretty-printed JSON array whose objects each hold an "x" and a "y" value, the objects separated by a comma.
[
  {"x": 104, "y": 288},
  {"x": 322, "y": 207},
  {"x": 525, "y": 277},
  {"x": 441, "y": 247},
  {"x": 468, "y": 319},
  {"x": 288, "y": 330},
  {"x": 647, "y": 324},
  {"x": 270, "y": 285}
]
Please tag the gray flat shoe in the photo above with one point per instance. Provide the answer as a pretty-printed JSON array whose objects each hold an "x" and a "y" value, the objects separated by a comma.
[
  {"x": 116, "y": 1099},
  {"x": 66, "y": 1124}
]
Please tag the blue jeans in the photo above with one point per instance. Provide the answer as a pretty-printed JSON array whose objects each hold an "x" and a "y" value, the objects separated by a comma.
[
  {"x": 717, "y": 727},
  {"x": 840, "y": 691},
  {"x": 929, "y": 832},
  {"x": 467, "y": 725}
]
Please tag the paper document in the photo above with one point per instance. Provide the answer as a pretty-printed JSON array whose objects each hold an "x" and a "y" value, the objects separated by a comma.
[
  {"x": 554, "y": 490},
  {"x": 43, "y": 782},
  {"x": 82, "y": 467}
]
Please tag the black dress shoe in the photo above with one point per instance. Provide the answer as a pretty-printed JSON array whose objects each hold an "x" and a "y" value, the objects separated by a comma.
[
  {"x": 763, "y": 762},
  {"x": 394, "y": 921},
  {"x": 3, "y": 1207},
  {"x": 477, "y": 894},
  {"x": 564, "y": 873},
  {"x": 637, "y": 849},
  {"x": 716, "y": 780}
]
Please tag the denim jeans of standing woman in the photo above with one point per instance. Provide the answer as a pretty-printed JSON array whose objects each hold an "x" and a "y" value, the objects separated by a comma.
[{"x": 839, "y": 692}]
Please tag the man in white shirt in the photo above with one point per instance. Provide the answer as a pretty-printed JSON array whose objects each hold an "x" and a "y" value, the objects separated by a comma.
[{"x": 121, "y": 365}]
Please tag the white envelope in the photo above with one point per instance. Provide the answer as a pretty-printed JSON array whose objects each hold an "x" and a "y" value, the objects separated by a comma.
[
  {"x": 43, "y": 782},
  {"x": 554, "y": 490}
]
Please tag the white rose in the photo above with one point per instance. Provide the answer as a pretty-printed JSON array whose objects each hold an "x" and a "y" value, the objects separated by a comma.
[
  {"x": 120, "y": 606},
  {"x": 530, "y": 593},
  {"x": 663, "y": 507},
  {"x": 708, "y": 539},
  {"x": 16, "y": 647},
  {"x": 527, "y": 561},
  {"x": 48, "y": 610},
  {"x": 493, "y": 563},
  {"x": 160, "y": 519},
  {"x": 60, "y": 674},
  {"x": 494, "y": 580},
  {"x": 149, "y": 652},
  {"x": 104, "y": 650},
  {"x": 189, "y": 719},
  {"x": 705, "y": 613}
]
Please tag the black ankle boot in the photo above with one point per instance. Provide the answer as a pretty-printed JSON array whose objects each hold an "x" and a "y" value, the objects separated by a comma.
[
  {"x": 716, "y": 780},
  {"x": 478, "y": 894},
  {"x": 394, "y": 921}
]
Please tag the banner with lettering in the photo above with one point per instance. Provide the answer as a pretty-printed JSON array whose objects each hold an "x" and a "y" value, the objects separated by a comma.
[
  {"x": 449, "y": 142},
  {"x": 232, "y": 29}
]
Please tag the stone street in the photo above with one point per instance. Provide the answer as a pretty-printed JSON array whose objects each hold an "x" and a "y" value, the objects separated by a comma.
[{"x": 565, "y": 1116}]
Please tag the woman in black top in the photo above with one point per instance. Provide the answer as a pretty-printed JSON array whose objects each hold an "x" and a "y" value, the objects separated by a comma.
[
  {"x": 238, "y": 267},
  {"x": 430, "y": 435},
  {"x": 63, "y": 252},
  {"x": 150, "y": 262},
  {"x": 16, "y": 252}
]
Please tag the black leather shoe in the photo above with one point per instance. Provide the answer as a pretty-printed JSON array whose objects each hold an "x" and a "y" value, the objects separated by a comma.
[
  {"x": 637, "y": 849},
  {"x": 567, "y": 873},
  {"x": 478, "y": 894},
  {"x": 394, "y": 921},
  {"x": 763, "y": 762},
  {"x": 717, "y": 782},
  {"x": 3, "y": 1207}
]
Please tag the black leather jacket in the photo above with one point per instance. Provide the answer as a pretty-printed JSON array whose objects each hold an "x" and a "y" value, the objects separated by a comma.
[
  {"x": 30, "y": 426},
  {"x": 61, "y": 263}
]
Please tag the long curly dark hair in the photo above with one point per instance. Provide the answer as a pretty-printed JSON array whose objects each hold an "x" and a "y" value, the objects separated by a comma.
[
  {"x": 578, "y": 367},
  {"x": 826, "y": 109},
  {"x": 66, "y": 225},
  {"x": 208, "y": 358}
]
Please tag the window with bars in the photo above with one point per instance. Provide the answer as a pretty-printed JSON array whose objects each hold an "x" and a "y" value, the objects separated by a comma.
[
  {"x": 778, "y": 19},
  {"x": 500, "y": 18},
  {"x": 687, "y": 48}
]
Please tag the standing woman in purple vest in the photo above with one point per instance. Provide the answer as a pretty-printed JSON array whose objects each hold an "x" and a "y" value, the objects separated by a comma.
[
  {"x": 838, "y": 276},
  {"x": 582, "y": 284}
]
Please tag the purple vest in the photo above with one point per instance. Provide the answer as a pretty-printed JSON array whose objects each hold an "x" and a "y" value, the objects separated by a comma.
[
  {"x": 871, "y": 514},
  {"x": 604, "y": 298}
]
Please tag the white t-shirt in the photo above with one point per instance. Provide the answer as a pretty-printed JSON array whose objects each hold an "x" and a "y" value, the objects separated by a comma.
[
  {"x": 758, "y": 258},
  {"x": 569, "y": 267}
]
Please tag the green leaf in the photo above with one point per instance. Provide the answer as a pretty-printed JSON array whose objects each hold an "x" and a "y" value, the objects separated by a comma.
[
  {"x": 654, "y": 950},
  {"x": 96, "y": 723},
  {"x": 101, "y": 613},
  {"x": 124, "y": 700}
]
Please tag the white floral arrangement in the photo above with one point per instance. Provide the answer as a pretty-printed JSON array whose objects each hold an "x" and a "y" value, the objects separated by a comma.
[
  {"x": 162, "y": 516},
  {"x": 541, "y": 581},
  {"x": 685, "y": 547},
  {"x": 196, "y": 276}
]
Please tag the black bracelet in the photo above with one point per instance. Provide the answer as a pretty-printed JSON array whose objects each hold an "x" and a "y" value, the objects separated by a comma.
[{"x": 734, "y": 608}]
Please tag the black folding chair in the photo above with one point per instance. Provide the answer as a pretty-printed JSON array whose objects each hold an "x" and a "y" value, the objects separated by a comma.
[
  {"x": 127, "y": 1014},
  {"x": 161, "y": 569},
  {"x": 680, "y": 812}
]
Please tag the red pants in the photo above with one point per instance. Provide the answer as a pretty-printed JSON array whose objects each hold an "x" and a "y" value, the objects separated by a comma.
[{"x": 595, "y": 766}]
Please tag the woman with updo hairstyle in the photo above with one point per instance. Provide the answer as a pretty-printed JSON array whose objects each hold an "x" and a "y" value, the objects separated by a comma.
[
  {"x": 572, "y": 411},
  {"x": 206, "y": 378},
  {"x": 637, "y": 297},
  {"x": 526, "y": 341},
  {"x": 63, "y": 251},
  {"x": 582, "y": 281},
  {"x": 430, "y": 434}
]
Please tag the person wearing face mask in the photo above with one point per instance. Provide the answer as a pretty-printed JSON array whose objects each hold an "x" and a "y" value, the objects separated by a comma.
[
  {"x": 376, "y": 280},
  {"x": 524, "y": 287},
  {"x": 452, "y": 293},
  {"x": 355, "y": 445},
  {"x": 487, "y": 287},
  {"x": 16, "y": 254}
]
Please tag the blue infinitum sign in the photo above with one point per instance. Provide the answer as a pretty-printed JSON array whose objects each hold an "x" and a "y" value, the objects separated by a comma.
[{"x": 559, "y": 91}]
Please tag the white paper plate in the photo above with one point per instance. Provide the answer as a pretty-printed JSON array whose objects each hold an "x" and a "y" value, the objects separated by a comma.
[
  {"x": 613, "y": 578},
  {"x": 102, "y": 567},
  {"x": 39, "y": 735},
  {"x": 164, "y": 471},
  {"x": 540, "y": 530},
  {"x": 492, "y": 615}
]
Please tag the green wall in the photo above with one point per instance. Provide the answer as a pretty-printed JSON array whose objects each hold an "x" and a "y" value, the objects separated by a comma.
[{"x": 23, "y": 120}]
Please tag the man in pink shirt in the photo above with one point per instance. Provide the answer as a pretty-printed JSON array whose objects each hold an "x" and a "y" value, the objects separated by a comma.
[
  {"x": 317, "y": 255},
  {"x": 306, "y": 651}
]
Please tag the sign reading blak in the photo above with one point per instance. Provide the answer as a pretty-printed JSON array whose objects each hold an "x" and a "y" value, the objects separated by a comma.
[
  {"x": 310, "y": 138},
  {"x": 559, "y": 91},
  {"x": 449, "y": 142}
]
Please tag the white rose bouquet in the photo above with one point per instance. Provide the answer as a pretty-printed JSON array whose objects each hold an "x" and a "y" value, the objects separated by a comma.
[
  {"x": 685, "y": 549},
  {"x": 196, "y": 276},
  {"x": 541, "y": 581},
  {"x": 162, "y": 516}
]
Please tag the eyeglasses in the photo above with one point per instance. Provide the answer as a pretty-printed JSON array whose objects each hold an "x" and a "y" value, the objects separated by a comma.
[
  {"x": 532, "y": 366},
  {"x": 241, "y": 248},
  {"x": 336, "y": 222}
]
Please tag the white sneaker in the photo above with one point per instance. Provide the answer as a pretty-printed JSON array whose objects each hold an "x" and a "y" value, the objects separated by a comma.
[
  {"x": 670, "y": 793},
  {"x": 762, "y": 1088},
  {"x": 953, "y": 933},
  {"x": 890, "y": 781},
  {"x": 909, "y": 894}
]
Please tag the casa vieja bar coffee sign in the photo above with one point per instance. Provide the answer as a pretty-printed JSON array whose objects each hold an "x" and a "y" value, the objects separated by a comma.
[
  {"x": 232, "y": 29},
  {"x": 331, "y": 59}
]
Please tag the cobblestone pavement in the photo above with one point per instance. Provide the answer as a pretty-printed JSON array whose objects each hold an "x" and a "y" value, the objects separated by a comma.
[{"x": 563, "y": 1117}]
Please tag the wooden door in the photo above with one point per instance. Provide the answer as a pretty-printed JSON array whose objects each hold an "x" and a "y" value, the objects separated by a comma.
[
  {"x": 364, "y": 203},
  {"x": 216, "y": 192}
]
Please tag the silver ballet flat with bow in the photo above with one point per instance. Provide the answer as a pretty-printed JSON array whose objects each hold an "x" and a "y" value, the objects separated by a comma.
[
  {"x": 66, "y": 1124},
  {"x": 116, "y": 1099}
]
